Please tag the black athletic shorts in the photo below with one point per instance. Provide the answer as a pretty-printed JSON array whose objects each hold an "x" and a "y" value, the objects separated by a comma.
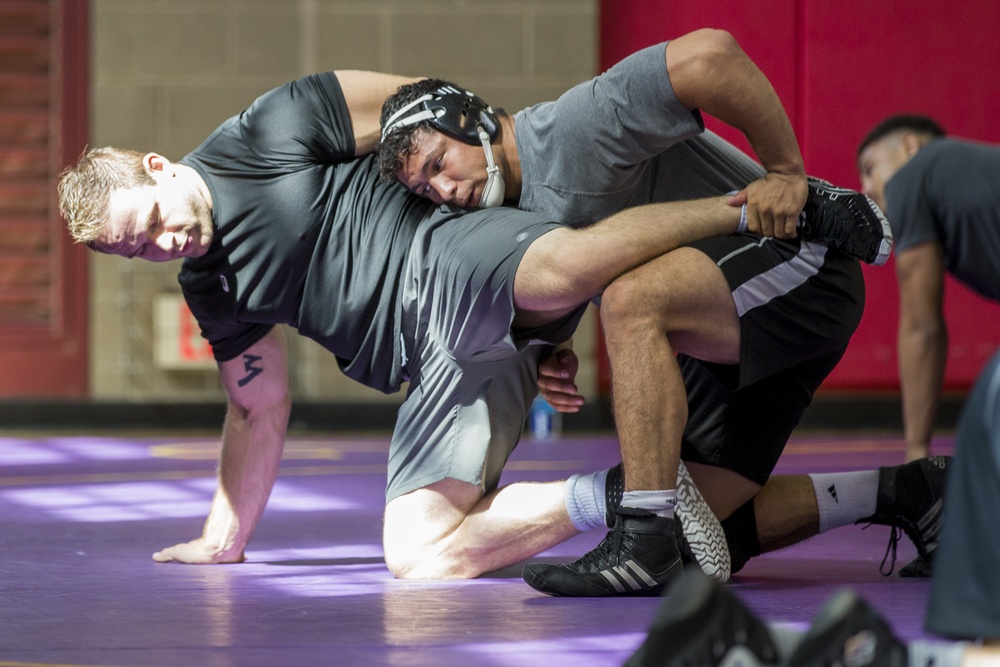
[{"x": 799, "y": 304}]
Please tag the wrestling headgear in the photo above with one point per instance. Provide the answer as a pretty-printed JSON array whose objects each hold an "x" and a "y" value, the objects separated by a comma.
[{"x": 463, "y": 115}]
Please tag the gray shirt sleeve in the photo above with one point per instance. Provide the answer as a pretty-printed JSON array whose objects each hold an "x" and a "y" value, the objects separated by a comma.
[{"x": 583, "y": 155}]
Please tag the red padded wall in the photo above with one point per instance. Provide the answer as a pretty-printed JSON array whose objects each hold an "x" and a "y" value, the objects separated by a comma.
[
  {"x": 43, "y": 127},
  {"x": 840, "y": 66},
  {"x": 866, "y": 60}
]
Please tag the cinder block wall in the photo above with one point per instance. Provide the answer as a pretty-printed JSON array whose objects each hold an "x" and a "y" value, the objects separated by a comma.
[{"x": 165, "y": 73}]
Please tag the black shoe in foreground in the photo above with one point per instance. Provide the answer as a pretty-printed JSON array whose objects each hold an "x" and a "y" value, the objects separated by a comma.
[
  {"x": 702, "y": 624},
  {"x": 911, "y": 498},
  {"x": 847, "y": 631},
  {"x": 704, "y": 536},
  {"x": 640, "y": 556},
  {"x": 846, "y": 220}
]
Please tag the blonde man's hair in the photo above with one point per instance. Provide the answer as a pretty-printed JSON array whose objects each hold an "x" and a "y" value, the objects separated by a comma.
[{"x": 85, "y": 188}]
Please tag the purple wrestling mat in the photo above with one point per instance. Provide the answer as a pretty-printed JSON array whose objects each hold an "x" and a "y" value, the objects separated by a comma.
[{"x": 81, "y": 516}]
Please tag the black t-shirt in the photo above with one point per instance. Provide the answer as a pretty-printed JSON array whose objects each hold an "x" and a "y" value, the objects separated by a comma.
[{"x": 305, "y": 234}]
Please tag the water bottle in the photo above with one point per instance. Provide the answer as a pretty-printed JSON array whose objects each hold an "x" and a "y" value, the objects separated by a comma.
[{"x": 544, "y": 421}]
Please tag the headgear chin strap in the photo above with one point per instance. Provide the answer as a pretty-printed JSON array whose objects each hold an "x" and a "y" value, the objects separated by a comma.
[
  {"x": 493, "y": 191},
  {"x": 463, "y": 115}
]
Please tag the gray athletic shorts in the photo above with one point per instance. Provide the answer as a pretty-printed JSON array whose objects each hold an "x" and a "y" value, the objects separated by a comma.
[
  {"x": 799, "y": 305},
  {"x": 471, "y": 379}
]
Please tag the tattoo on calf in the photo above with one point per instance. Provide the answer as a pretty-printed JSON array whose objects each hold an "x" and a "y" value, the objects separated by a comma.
[{"x": 252, "y": 371}]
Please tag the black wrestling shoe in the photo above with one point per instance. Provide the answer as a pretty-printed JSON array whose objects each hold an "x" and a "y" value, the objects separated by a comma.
[
  {"x": 640, "y": 556},
  {"x": 846, "y": 220},
  {"x": 918, "y": 568},
  {"x": 848, "y": 632},
  {"x": 614, "y": 489},
  {"x": 702, "y": 624},
  {"x": 701, "y": 532},
  {"x": 911, "y": 499}
]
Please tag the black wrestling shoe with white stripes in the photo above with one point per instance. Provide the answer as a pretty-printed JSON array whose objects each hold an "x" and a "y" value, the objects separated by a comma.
[
  {"x": 846, "y": 220},
  {"x": 700, "y": 529},
  {"x": 639, "y": 556},
  {"x": 848, "y": 632},
  {"x": 911, "y": 499},
  {"x": 702, "y": 624}
]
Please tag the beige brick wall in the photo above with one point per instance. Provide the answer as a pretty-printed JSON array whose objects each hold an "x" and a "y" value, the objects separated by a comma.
[{"x": 165, "y": 73}]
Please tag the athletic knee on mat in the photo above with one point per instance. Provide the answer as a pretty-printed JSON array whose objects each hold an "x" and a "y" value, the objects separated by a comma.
[
  {"x": 415, "y": 568},
  {"x": 410, "y": 563},
  {"x": 741, "y": 534}
]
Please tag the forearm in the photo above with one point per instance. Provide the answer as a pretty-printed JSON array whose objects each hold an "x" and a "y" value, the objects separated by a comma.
[
  {"x": 922, "y": 355},
  {"x": 252, "y": 441},
  {"x": 252, "y": 444}
]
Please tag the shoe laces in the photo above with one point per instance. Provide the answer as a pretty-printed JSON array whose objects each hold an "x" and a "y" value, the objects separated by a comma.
[
  {"x": 607, "y": 552},
  {"x": 895, "y": 534},
  {"x": 610, "y": 548}
]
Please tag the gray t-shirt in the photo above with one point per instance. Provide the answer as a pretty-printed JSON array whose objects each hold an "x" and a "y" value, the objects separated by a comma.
[
  {"x": 621, "y": 139},
  {"x": 949, "y": 194},
  {"x": 306, "y": 234}
]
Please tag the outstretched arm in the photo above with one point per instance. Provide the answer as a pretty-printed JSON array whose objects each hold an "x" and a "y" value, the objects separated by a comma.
[
  {"x": 709, "y": 71},
  {"x": 252, "y": 442},
  {"x": 922, "y": 343},
  {"x": 364, "y": 93}
]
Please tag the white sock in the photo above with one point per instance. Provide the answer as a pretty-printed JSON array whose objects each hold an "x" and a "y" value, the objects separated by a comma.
[
  {"x": 585, "y": 500},
  {"x": 661, "y": 503},
  {"x": 927, "y": 653},
  {"x": 845, "y": 497}
]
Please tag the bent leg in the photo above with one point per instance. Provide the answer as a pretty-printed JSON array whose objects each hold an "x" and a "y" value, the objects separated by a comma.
[
  {"x": 679, "y": 302},
  {"x": 797, "y": 309},
  {"x": 786, "y": 511},
  {"x": 724, "y": 490},
  {"x": 450, "y": 530},
  {"x": 445, "y": 516},
  {"x": 731, "y": 452},
  {"x": 646, "y": 313}
]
